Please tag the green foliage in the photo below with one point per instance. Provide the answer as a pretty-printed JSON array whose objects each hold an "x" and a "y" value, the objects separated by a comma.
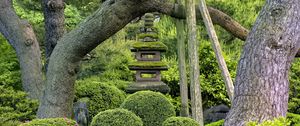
[
  {"x": 72, "y": 17},
  {"x": 212, "y": 84},
  {"x": 180, "y": 121},
  {"x": 294, "y": 94},
  {"x": 110, "y": 62},
  {"x": 85, "y": 7},
  {"x": 11, "y": 123},
  {"x": 50, "y": 122},
  {"x": 152, "y": 107},
  {"x": 15, "y": 106},
  {"x": 276, "y": 122},
  {"x": 9, "y": 66},
  {"x": 116, "y": 117},
  {"x": 176, "y": 102},
  {"x": 294, "y": 118},
  {"x": 99, "y": 96},
  {"x": 218, "y": 123}
]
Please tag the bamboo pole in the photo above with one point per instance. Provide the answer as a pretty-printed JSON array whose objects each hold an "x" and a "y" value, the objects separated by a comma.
[
  {"x": 195, "y": 90},
  {"x": 180, "y": 29},
  {"x": 217, "y": 49}
]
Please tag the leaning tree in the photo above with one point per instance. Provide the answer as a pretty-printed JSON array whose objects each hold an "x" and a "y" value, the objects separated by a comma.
[{"x": 261, "y": 84}]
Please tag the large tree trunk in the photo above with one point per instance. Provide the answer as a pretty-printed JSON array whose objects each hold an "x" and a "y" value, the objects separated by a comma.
[
  {"x": 54, "y": 24},
  {"x": 196, "y": 100},
  {"x": 261, "y": 85},
  {"x": 21, "y": 36},
  {"x": 181, "y": 36}
]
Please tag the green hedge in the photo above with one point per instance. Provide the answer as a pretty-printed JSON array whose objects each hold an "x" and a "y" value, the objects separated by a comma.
[
  {"x": 99, "y": 97},
  {"x": 180, "y": 121},
  {"x": 116, "y": 117},
  {"x": 218, "y": 123},
  {"x": 276, "y": 122},
  {"x": 152, "y": 107},
  {"x": 15, "y": 106},
  {"x": 50, "y": 122},
  {"x": 294, "y": 118}
]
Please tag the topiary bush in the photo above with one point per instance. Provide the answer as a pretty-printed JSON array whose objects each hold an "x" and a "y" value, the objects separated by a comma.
[
  {"x": 116, "y": 117},
  {"x": 152, "y": 107},
  {"x": 276, "y": 122},
  {"x": 99, "y": 97},
  {"x": 180, "y": 121},
  {"x": 50, "y": 122},
  {"x": 15, "y": 106},
  {"x": 218, "y": 123}
]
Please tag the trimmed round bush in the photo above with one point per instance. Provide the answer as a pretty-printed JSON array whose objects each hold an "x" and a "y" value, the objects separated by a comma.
[
  {"x": 116, "y": 117},
  {"x": 99, "y": 97},
  {"x": 50, "y": 122},
  {"x": 152, "y": 107},
  {"x": 180, "y": 121}
]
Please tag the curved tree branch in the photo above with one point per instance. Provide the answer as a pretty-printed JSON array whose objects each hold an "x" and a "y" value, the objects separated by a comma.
[{"x": 21, "y": 36}]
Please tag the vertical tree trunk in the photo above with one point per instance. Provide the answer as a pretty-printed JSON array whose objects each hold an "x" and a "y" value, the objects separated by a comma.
[
  {"x": 196, "y": 100},
  {"x": 217, "y": 49},
  {"x": 184, "y": 111},
  {"x": 21, "y": 36},
  {"x": 54, "y": 24},
  {"x": 261, "y": 85}
]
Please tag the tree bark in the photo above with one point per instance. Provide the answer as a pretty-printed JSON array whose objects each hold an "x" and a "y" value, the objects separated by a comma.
[
  {"x": 261, "y": 85},
  {"x": 180, "y": 28},
  {"x": 217, "y": 49},
  {"x": 196, "y": 100},
  {"x": 20, "y": 35},
  {"x": 54, "y": 24}
]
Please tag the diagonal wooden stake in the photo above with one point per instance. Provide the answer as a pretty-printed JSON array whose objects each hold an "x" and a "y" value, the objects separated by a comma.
[{"x": 217, "y": 49}]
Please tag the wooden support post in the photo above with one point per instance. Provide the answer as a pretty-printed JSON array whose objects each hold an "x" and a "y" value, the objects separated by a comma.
[{"x": 217, "y": 49}]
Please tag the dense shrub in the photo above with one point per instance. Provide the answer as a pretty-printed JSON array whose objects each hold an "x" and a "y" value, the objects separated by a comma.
[
  {"x": 218, "y": 123},
  {"x": 50, "y": 122},
  {"x": 98, "y": 96},
  {"x": 294, "y": 95},
  {"x": 116, "y": 117},
  {"x": 276, "y": 122},
  {"x": 294, "y": 118},
  {"x": 180, "y": 121},
  {"x": 10, "y": 123},
  {"x": 10, "y": 75},
  {"x": 152, "y": 107},
  {"x": 15, "y": 106}
]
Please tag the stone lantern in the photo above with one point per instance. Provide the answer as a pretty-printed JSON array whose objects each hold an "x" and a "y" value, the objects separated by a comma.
[{"x": 148, "y": 66}]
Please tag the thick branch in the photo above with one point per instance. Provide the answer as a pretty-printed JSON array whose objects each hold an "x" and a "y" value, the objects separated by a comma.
[
  {"x": 21, "y": 36},
  {"x": 64, "y": 61}
]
